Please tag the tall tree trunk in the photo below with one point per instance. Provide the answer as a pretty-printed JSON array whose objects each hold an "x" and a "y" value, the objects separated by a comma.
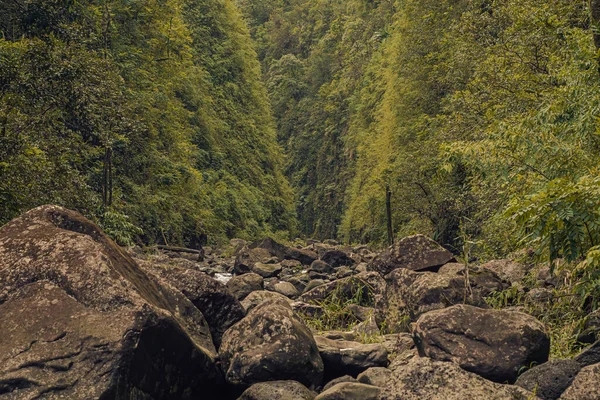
[
  {"x": 107, "y": 179},
  {"x": 388, "y": 206}
]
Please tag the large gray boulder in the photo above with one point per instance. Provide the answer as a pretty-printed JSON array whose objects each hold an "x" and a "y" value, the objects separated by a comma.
[
  {"x": 590, "y": 355},
  {"x": 278, "y": 390},
  {"x": 266, "y": 270},
  {"x": 343, "y": 357},
  {"x": 549, "y": 380},
  {"x": 337, "y": 258},
  {"x": 410, "y": 294},
  {"x": 248, "y": 258},
  {"x": 495, "y": 344},
  {"x": 270, "y": 343},
  {"x": 218, "y": 305},
  {"x": 585, "y": 385},
  {"x": 509, "y": 270},
  {"x": 242, "y": 285},
  {"x": 376, "y": 376},
  {"x": 80, "y": 318},
  {"x": 256, "y": 298},
  {"x": 423, "y": 378},
  {"x": 306, "y": 257},
  {"x": 416, "y": 253}
]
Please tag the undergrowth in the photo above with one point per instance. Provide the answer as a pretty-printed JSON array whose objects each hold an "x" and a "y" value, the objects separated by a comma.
[
  {"x": 335, "y": 315},
  {"x": 563, "y": 311}
]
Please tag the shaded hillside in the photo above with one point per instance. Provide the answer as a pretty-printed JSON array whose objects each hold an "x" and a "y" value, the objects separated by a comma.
[{"x": 140, "y": 114}]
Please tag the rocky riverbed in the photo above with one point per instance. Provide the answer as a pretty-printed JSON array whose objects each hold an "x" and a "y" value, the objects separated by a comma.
[{"x": 83, "y": 318}]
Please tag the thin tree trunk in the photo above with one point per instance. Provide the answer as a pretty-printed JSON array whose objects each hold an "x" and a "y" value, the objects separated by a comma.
[{"x": 388, "y": 205}]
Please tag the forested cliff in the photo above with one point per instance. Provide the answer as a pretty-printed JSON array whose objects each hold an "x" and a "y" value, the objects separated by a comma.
[
  {"x": 481, "y": 116},
  {"x": 149, "y": 116},
  {"x": 155, "y": 119}
]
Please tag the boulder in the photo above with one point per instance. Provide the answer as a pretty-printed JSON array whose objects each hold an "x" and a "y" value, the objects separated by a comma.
[
  {"x": 591, "y": 328},
  {"x": 342, "y": 357},
  {"x": 363, "y": 313},
  {"x": 350, "y": 391},
  {"x": 423, "y": 378},
  {"x": 313, "y": 284},
  {"x": 341, "y": 379},
  {"x": 416, "y": 253},
  {"x": 270, "y": 343},
  {"x": 344, "y": 272},
  {"x": 218, "y": 305},
  {"x": 494, "y": 344},
  {"x": 247, "y": 259},
  {"x": 278, "y": 390},
  {"x": 321, "y": 267},
  {"x": 291, "y": 264},
  {"x": 256, "y": 298},
  {"x": 410, "y": 294},
  {"x": 376, "y": 376},
  {"x": 306, "y": 257},
  {"x": 368, "y": 328},
  {"x": 337, "y": 258},
  {"x": 81, "y": 319},
  {"x": 585, "y": 385},
  {"x": 242, "y": 285},
  {"x": 266, "y": 270},
  {"x": 549, "y": 380},
  {"x": 590, "y": 355},
  {"x": 286, "y": 289},
  {"x": 299, "y": 281},
  {"x": 508, "y": 270}
]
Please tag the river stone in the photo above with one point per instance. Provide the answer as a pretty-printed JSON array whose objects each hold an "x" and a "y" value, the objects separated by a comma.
[
  {"x": 81, "y": 319},
  {"x": 271, "y": 343},
  {"x": 350, "y": 391},
  {"x": 410, "y": 294},
  {"x": 509, "y": 270},
  {"x": 337, "y": 258},
  {"x": 376, "y": 376},
  {"x": 306, "y": 257},
  {"x": 286, "y": 289},
  {"x": 549, "y": 380},
  {"x": 585, "y": 385},
  {"x": 495, "y": 344},
  {"x": 218, "y": 305},
  {"x": 590, "y": 355},
  {"x": 333, "y": 382},
  {"x": 342, "y": 357},
  {"x": 423, "y": 378},
  {"x": 242, "y": 285},
  {"x": 278, "y": 390},
  {"x": 266, "y": 270},
  {"x": 416, "y": 253},
  {"x": 321, "y": 267},
  {"x": 247, "y": 259},
  {"x": 256, "y": 298}
]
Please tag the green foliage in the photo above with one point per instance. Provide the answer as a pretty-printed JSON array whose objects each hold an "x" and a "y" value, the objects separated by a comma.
[
  {"x": 563, "y": 218},
  {"x": 118, "y": 226},
  {"x": 335, "y": 313},
  {"x": 154, "y": 109}
]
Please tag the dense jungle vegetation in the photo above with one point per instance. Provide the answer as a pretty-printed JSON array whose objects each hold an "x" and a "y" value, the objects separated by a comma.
[
  {"x": 154, "y": 119},
  {"x": 480, "y": 115},
  {"x": 148, "y": 116}
]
